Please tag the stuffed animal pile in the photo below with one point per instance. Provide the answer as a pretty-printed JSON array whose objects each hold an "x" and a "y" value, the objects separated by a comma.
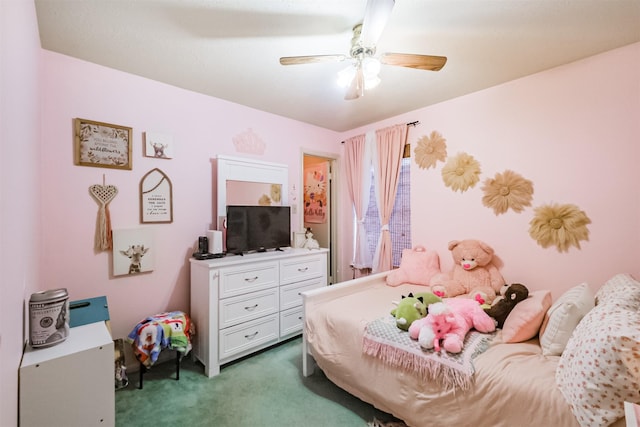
[
  {"x": 474, "y": 273},
  {"x": 412, "y": 307},
  {"x": 512, "y": 295},
  {"x": 449, "y": 321}
]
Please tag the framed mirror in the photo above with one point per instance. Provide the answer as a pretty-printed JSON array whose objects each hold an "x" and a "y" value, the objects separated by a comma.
[{"x": 249, "y": 182}]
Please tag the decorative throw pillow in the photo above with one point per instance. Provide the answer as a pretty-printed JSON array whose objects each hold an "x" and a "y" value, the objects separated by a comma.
[
  {"x": 562, "y": 318},
  {"x": 417, "y": 266},
  {"x": 620, "y": 289},
  {"x": 523, "y": 323},
  {"x": 600, "y": 366}
]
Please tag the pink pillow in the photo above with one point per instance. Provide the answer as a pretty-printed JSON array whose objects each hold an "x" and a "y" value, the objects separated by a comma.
[
  {"x": 417, "y": 266},
  {"x": 523, "y": 323}
]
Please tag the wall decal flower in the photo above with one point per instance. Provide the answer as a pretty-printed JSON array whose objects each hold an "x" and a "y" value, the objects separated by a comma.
[
  {"x": 560, "y": 225},
  {"x": 461, "y": 172},
  {"x": 430, "y": 149},
  {"x": 507, "y": 190}
]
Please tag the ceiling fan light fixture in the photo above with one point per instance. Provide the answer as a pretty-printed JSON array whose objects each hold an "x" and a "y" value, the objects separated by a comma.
[{"x": 370, "y": 69}]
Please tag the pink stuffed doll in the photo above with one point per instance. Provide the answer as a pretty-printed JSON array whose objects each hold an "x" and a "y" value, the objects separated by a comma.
[
  {"x": 450, "y": 321},
  {"x": 474, "y": 273}
]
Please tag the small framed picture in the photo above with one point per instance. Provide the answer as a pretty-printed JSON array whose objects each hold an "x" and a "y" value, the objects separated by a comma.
[
  {"x": 158, "y": 145},
  {"x": 133, "y": 251},
  {"x": 102, "y": 145}
]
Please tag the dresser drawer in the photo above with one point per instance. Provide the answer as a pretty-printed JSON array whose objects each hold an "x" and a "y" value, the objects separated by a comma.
[
  {"x": 247, "y": 307},
  {"x": 301, "y": 268},
  {"x": 246, "y": 336},
  {"x": 290, "y": 294},
  {"x": 290, "y": 321},
  {"x": 243, "y": 279}
]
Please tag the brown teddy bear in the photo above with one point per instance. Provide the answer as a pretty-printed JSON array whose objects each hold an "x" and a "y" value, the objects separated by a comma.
[
  {"x": 474, "y": 273},
  {"x": 513, "y": 294}
]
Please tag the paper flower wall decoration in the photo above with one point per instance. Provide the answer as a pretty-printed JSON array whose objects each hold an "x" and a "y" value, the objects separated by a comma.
[
  {"x": 507, "y": 190},
  {"x": 560, "y": 225},
  {"x": 461, "y": 172},
  {"x": 430, "y": 149}
]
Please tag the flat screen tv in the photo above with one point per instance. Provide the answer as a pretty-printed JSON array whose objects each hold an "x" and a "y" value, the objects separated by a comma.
[{"x": 257, "y": 228}]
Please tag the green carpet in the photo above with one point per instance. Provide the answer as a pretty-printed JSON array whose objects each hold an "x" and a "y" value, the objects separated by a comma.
[{"x": 263, "y": 390}]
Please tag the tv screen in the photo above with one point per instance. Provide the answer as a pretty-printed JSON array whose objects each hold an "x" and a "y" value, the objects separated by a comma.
[{"x": 257, "y": 228}]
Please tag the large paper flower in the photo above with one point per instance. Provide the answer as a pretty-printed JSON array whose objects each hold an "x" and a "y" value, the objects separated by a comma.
[
  {"x": 430, "y": 149},
  {"x": 507, "y": 190},
  {"x": 461, "y": 172},
  {"x": 559, "y": 225}
]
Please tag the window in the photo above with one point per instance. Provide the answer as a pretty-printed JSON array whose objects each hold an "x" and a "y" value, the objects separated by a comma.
[{"x": 400, "y": 222}]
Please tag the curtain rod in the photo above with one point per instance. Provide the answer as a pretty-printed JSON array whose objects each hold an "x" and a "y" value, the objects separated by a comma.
[{"x": 416, "y": 123}]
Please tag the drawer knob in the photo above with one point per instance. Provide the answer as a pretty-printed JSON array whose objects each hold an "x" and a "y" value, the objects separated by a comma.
[
  {"x": 251, "y": 336},
  {"x": 251, "y": 279},
  {"x": 302, "y": 270},
  {"x": 251, "y": 308}
]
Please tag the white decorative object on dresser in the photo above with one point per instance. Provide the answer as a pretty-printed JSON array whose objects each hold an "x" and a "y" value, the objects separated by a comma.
[{"x": 241, "y": 304}]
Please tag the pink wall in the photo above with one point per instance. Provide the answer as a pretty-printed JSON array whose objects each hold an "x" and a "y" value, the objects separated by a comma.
[
  {"x": 202, "y": 127},
  {"x": 19, "y": 188},
  {"x": 575, "y": 132}
]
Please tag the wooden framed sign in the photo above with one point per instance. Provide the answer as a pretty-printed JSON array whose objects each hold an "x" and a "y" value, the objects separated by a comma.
[
  {"x": 102, "y": 145},
  {"x": 156, "y": 198}
]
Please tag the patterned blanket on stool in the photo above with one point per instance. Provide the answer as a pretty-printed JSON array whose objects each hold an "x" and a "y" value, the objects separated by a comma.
[
  {"x": 383, "y": 339},
  {"x": 165, "y": 330}
]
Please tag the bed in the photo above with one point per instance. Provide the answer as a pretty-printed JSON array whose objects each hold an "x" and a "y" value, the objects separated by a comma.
[{"x": 513, "y": 384}]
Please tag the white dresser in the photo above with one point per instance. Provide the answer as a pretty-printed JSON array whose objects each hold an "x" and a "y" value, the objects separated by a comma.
[{"x": 241, "y": 304}]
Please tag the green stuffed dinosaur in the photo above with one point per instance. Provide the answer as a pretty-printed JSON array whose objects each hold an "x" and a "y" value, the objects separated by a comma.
[{"x": 412, "y": 307}]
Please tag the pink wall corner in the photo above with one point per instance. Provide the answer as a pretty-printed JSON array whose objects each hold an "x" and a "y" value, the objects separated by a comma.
[
  {"x": 19, "y": 189},
  {"x": 574, "y": 132},
  {"x": 202, "y": 127}
]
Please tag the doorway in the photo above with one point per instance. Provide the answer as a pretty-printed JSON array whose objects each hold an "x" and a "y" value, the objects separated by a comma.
[{"x": 319, "y": 203}]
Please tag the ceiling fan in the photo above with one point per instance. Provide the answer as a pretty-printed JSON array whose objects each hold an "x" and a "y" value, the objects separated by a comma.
[{"x": 363, "y": 49}]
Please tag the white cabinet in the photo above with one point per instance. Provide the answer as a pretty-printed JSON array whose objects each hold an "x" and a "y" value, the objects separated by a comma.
[
  {"x": 241, "y": 304},
  {"x": 70, "y": 384}
]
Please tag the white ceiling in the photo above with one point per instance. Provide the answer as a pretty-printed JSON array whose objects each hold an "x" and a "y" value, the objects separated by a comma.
[{"x": 230, "y": 49}]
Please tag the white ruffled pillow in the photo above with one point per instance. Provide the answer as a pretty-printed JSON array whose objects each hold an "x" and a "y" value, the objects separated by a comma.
[{"x": 563, "y": 317}]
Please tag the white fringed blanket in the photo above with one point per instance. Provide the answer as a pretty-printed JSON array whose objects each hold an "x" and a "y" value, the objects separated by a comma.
[{"x": 383, "y": 339}]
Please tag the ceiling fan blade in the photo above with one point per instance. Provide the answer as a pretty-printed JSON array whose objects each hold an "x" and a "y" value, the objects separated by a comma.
[
  {"x": 376, "y": 15},
  {"x": 421, "y": 62},
  {"x": 356, "y": 88},
  {"x": 311, "y": 59}
]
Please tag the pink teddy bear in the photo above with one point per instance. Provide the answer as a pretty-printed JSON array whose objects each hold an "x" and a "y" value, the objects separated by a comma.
[{"x": 450, "y": 321}]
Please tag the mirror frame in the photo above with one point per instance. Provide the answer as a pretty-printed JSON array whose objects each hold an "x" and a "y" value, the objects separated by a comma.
[{"x": 240, "y": 169}]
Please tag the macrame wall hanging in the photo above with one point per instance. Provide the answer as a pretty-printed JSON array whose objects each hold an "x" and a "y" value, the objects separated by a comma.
[
  {"x": 508, "y": 190},
  {"x": 461, "y": 172},
  {"x": 430, "y": 149},
  {"x": 558, "y": 225},
  {"x": 103, "y": 194}
]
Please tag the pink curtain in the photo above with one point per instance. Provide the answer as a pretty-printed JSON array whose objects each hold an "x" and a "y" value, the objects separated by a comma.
[
  {"x": 358, "y": 164},
  {"x": 390, "y": 143}
]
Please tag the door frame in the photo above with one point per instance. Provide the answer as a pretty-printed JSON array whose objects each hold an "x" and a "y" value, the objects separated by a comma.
[{"x": 332, "y": 266}]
